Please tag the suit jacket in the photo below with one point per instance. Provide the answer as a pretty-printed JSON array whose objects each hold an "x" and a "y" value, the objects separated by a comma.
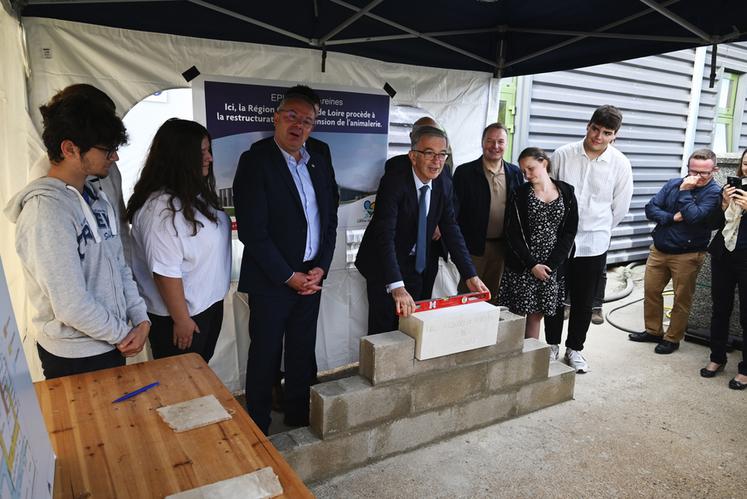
[
  {"x": 384, "y": 254},
  {"x": 402, "y": 163},
  {"x": 271, "y": 221},
  {"x": 472, "y": 202}
]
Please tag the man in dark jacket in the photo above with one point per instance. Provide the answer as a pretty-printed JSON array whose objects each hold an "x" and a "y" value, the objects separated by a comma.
[
  {"x": 482, "y": 189},
  {"x": 680, "y": 210},
  {"x": 438, "y": 248},
  {"x": 394, "y": 250}
]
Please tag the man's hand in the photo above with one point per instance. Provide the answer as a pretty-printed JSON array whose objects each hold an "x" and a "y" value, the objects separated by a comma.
[
  {"x": 313, "y": 281},
  {"x": 437, "y": 234},
  {"x": 403, "y": 302},
  {"x": 690, "y": 182},
  {"x": 677, "y": 217},
  {"x": 133, "y": 343},
  {"x": 183, "y": 332},
  {"x": 476, "y": 285},
  {"x": 541, "y": 272},
  {"x": 297, "y": 281}
]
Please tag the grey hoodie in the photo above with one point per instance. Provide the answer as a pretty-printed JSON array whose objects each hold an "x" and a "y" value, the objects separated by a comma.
[{"x": 78, "y": 284}]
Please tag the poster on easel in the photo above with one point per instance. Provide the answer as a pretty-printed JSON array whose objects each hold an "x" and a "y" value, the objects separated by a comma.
[{"x": 27, "y": 460}]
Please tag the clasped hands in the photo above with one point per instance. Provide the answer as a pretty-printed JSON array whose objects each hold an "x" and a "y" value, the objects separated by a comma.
[
  {"x": 133, "y": 343},
  {"x": 405, "y": 305},
  {"x": 308, "y": 283}
]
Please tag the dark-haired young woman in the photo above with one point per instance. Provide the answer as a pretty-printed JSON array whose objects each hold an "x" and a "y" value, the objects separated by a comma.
[
  {"x": 182, "y": 252},
  {"x": 540, "y": 226},
  {"x": 728, "y": 270}
]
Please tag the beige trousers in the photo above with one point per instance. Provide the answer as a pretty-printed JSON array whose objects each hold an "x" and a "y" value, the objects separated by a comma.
[{"x": 683, "y": 270}]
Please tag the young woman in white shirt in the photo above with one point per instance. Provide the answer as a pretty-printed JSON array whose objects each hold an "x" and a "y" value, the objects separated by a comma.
[{"x": 182, "y": 252}]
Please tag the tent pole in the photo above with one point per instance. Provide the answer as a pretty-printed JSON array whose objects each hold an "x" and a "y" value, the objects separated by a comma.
[
  {"x": 417, "y": 34},
  {"x": 714, "y": 54},
  {"x": 615, "y": 24},
  {"x": 249, "y": 20},
  {"x": 362, "y": 12},
  {"x": 677, "y": 19}
]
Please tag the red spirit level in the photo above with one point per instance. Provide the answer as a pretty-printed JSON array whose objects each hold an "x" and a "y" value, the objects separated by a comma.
[{"x": 451, "y": 301}]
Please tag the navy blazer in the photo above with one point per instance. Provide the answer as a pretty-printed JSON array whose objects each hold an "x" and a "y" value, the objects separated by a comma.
[
  {"x": 384, "y": 253},
  {"x": 271, "y": 220},
  {"x": 472, "y": 202}
]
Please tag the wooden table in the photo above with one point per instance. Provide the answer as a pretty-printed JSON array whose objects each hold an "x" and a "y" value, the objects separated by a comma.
[{"x": 107, "y": 450}]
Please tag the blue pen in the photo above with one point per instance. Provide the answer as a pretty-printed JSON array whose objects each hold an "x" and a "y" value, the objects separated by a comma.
[{"x": 132, "y": 394}]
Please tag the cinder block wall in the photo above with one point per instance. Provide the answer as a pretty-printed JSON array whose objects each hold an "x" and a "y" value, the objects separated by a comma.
[{"x": 398, "y": 403}]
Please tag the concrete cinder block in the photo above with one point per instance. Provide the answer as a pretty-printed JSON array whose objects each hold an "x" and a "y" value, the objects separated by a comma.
[
  {"x": 511, "y": 332},
  {"x": 448, "y": 387},
  {"x": 314, "y": 459},
  {"x": 352, "y": 403},
  {"x": 531, "y": 365},
  {"x": 386, "y": 356},
  {"x": 451, "y": 330},
  {"x": 558, "y": 387},
  {"x": 485, "y": 411},
  {"x": 409, "y": 433}
]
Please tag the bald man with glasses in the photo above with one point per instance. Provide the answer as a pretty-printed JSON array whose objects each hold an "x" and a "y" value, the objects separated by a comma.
[{"x": 680, "y": 210}]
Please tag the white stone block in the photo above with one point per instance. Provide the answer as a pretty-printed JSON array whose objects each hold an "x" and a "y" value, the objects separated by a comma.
[{"x": 452, "y": 330}]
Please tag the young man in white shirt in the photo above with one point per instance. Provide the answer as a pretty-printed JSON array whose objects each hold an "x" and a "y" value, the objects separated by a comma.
[{"x": 603, "y": 181}]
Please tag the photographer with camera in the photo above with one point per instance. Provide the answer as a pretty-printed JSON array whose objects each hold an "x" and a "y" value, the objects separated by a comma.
[
  {"x": 681, "y": 211},
  {"x": 728, "y": 269}
]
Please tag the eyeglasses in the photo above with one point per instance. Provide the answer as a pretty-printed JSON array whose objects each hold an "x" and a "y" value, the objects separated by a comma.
[
  {"x": 429, "y": 155},
  {"x": 109, "y": 151},
  {"x": 293, "y": 117},
  {"x": 700, "y": 174}
]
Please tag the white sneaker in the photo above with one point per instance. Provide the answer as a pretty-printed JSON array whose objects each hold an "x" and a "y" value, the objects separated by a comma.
[
  {"x": 554, "y": 352},
  {"x": 576, "y": 361}
]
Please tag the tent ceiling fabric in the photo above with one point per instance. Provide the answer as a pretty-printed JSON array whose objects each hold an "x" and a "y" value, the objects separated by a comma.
[{"x": 504, "y": 37}]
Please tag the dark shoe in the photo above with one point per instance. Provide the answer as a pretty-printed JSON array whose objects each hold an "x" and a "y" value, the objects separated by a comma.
[
  {"x": 666, "y": 347},
  {"x": 597, "y": 317},
  {"x": 737, "y": 385},
  {"x": 644, "y": 336},
  {"x": 707, "y": 373}
]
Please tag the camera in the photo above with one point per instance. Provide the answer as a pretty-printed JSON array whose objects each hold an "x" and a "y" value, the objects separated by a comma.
[{"x": 737, "y": 182}]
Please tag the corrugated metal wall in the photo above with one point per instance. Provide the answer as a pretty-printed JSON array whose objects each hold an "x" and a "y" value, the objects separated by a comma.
[{"x": 653, "y": 93}]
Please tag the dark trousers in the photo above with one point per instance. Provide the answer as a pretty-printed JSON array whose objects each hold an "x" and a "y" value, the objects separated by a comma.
[
  {"x": 598, "y": 300},
  {"x": 382, "y": 313},
  {"x": 727, "y": 272},
  {"x": 273, "y": 318},
  {"x": 581, "y": 277},
  {"x": 56, "y": 367},
  {"x": 208, "y": 321}
]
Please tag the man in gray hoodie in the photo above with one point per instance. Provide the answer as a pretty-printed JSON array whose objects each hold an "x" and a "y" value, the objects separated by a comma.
[{"x": 86, "y": 311}]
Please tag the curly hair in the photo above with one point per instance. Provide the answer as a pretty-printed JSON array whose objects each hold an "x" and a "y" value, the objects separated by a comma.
[
  {"x": 174, "y": 165},
  {"x": 84, "y": 115}
]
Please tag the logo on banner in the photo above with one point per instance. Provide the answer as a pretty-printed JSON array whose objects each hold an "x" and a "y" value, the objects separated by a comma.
[{"x": 369, "y": 207}]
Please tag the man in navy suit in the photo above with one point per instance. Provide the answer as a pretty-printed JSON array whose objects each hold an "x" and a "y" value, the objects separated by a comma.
[
  {"x": 286, "y": 208},
  {"x": 409, "y": 206},
  {"x": 438, "y": 248}
]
